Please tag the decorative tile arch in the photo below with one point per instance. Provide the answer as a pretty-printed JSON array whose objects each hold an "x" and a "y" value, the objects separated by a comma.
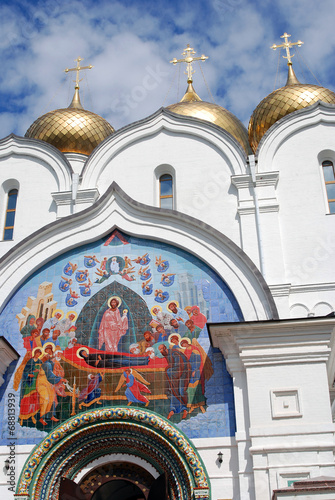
[{"x": 83, "y": 438}]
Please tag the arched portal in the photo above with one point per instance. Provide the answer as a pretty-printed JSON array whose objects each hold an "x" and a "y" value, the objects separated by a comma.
[{"x": 103, "y": 435}]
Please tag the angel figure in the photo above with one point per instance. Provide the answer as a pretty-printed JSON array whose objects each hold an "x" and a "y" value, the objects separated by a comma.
[
  {"x": 127, "y": 262},
  {"x": 135, "y": 384},
  {"x": 167, "y": 279},
  {"x": 70, "y": 268},
  {"x": 127, "y": 274},
  {"x": 146, "y": 288},
  {"x": 162, "y": 265},
  {"x": 144, "y": 273}
]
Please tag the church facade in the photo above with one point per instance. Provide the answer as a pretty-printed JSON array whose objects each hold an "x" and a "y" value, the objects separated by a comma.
[{"x": 166, "y": 296}]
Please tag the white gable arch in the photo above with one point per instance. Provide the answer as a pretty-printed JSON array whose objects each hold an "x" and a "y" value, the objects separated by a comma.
[
  {"x": 41, "y": 153},
  {"x": 123, "y": 147},
  {"x": 116, "y": 210},
  {"x": 292, "y": 124}
]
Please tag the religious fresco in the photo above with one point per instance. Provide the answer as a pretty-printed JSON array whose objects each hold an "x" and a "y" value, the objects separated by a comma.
[{"x": 121, "y": 321}]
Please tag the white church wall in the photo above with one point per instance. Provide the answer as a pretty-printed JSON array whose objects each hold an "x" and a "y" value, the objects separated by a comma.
[
  {"x": 293, "y": 147},
  {"x": 202, "y": 157},
  {"x": 36, "y": 169},
  {"x": 291, "y": 428}
]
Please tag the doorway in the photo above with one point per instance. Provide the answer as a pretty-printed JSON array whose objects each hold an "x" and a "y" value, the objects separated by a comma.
[{"x": 118, "y": 489}]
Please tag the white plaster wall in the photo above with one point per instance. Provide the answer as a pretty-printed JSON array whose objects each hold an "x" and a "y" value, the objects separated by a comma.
[
  {"x": 35, "y": 207},
  {"x": 312, "y": 384},
  {"x": 202, "y": 178},
  {"x": 223, "y": 477},
  {"x": 307, "y": 230},
  {"x": 21, "y": 454}
]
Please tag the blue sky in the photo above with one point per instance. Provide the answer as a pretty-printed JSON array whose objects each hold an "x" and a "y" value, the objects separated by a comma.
[{"x": 131, "y": 42}]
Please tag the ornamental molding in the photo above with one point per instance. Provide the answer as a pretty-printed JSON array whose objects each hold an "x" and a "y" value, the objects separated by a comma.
[
  {"x": 263, "y": 179},
  {"x": 83, "y": 196},
  {"x": 277, "y": 342},
  {"x": 42, "y": 456}
]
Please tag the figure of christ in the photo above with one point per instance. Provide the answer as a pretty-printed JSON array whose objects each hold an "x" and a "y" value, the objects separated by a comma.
[{"x": 112, "y": 327}]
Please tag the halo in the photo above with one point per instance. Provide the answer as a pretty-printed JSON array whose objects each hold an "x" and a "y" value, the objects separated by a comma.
[
  {"x": 49, "y": 344},
  {"x": 174, "y": 335},
  {"x": 58, "y": 311},
  {"x": 187, "y": 340},
  {"x": 82, "y": 349},
  {"x": 155, "y": 307},
  {"x": 38, "y": 348},
  {"x": 114, "y": 297},
  {"x": 172, "y": 302},
  {"x": 72, "y": 312}
]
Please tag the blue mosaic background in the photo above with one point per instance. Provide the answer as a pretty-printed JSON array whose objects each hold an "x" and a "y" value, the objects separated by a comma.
[{"x": 142, "y": 275}]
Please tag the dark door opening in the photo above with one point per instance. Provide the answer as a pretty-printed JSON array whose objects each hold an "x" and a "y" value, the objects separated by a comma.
[{"x": 118, "y": 489}]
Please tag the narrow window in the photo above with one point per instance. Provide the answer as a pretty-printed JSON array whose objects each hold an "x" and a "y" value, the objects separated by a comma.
[
  {"x": 165, "y": 186},
  {"x": 10, "y": 215},
  {"x": 329, "y": 175}
]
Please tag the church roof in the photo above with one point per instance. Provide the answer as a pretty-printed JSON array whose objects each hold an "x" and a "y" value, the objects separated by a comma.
[
  {"x": 192, "y": 105},
  {"x": 72, "y": 129},
  {"x": 293, "y": 96}
]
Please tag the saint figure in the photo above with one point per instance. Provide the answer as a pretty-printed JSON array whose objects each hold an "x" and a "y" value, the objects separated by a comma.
[{"x": 112, "y": 327}]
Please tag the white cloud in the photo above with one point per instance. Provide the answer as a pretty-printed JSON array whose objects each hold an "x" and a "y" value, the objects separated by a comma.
[{"x": 130, "y": 47}]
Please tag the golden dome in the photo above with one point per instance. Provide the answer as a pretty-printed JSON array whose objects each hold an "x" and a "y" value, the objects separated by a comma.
[
  {"x": 192, "y": 105},
  {"x": 72, "y": 129},
  {"x": 293, "y": 96}
]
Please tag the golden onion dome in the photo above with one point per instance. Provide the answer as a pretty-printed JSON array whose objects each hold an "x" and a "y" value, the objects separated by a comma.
[
  {"x": 72, "y": 129},
  {"x": 293, "y": 96},
  {"x": 192, "y": 105}
]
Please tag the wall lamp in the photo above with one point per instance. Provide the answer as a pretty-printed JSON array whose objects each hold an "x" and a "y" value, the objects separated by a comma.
[
  {"x": 7, "y": 465},
  {"x": 220, "y": 459}
]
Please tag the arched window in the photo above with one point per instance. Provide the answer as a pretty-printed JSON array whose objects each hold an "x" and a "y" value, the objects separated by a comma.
[
  {"x": 329, "y": 175},
  {"x": 10, "y": 215},
  {"x": 166, "y": 191}
]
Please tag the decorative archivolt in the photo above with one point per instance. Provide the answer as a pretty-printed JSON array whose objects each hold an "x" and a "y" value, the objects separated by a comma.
[{"x": 70, "y": 447}]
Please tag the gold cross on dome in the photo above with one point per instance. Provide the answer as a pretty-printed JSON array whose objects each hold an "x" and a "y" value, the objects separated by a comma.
[
  {"x": 189, "y": 52},
  {"x": 77, "y": 69},
  {"x": 287, "y": 45}
]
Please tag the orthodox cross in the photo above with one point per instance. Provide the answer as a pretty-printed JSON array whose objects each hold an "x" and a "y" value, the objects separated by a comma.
[
  {"x": 189, "y": 52},
  {"x": 77, "y": 69},
  {"x": 287, "y": 45}
]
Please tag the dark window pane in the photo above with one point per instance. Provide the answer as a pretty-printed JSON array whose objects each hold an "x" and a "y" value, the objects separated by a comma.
[
  {"x": 165, "y": 177},
  {"x": 12, "y": 197},
  {"x": 10, "y": 219},
  {"x": 8, "y": 234},
  {"x": 166, "y": 188},
  {"x": 332, "y": 207},
  {"x": 166, "y": 203},
  {"x": 328, "y": 172},
  {"x": 330, "y": 191}
]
